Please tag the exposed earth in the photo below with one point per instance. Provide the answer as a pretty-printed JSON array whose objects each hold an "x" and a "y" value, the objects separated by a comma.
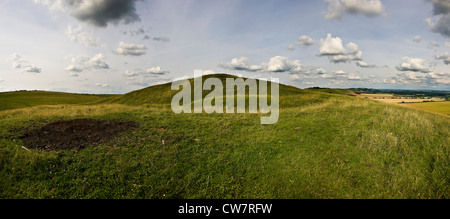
[{"x": 75, "y": 134}]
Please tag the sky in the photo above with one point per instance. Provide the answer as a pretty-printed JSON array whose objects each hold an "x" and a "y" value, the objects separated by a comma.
[{"x": 117, "y": 46}]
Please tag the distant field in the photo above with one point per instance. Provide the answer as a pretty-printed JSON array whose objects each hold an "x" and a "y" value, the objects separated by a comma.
[
  {"x": 22, "y": 99},
  {"x": 434, "y": 99},
  {"x": 390, "y": 98},
  {"x": 435, "y": 107}
]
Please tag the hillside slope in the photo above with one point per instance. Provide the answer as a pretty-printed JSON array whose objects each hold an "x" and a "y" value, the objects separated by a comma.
[
  {"x": 23, "y": 99},
  {"x": 324, "y": 145},
  {"x": 161, "y": 95}
]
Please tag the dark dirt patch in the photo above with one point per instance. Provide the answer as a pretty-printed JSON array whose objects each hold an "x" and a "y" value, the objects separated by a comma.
[{"x": 75, "y": 134}]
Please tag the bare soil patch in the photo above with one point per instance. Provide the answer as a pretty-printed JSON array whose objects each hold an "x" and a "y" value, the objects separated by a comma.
[{"x": 75, "y": 134}]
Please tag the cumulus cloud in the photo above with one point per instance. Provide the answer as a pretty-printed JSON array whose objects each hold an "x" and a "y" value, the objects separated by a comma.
[
  {"x": 305, "y": 41},
  {"x": 16, "y": 60},
  {"x": 128, "y": 73},
  {"x": 86, "y": 63},
  {"x": 445, "y": 57},
  {"x": 282, "y": 64},
  {"x": 31, "y": 69},
  {"x": 240, "y": 63},
  {"x": 417, "y": 39},
  {"x": 354, "y": 77},
  {"x": 275, "y": 64},
  {"x": 78, "y": 36},
  {"x": 440, "y": 23},
  {"x": 413, "y": 64},
  {"x": 327, "y": 76},
  {"x": 156, "y": 71},
  {"x": 294, "y": 77},
  {"x": 368, "y": 8},
  {"x": 291, "y": 47},
  {"x": 23, "y": 65},
  {"x": 332, "y": 48},
  {"x": 73, "y": 68},
  {"x": 99, "y": 13},
  {"x": 363, "y": 64},
  {"x": 97, "y": 62},
  {"x": 130, "y": 49}
]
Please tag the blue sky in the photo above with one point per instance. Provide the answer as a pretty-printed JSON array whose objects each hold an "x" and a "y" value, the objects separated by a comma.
[{"x": 116, "y": 46}]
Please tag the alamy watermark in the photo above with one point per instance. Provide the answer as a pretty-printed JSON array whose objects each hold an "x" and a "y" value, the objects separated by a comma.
[{"x": 257, "y": 96}]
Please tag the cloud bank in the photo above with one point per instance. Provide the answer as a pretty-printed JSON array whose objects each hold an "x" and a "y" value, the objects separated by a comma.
[{"x": 413, "y": 64}]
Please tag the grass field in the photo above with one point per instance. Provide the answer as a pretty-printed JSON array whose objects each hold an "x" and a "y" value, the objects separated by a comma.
[
  {"x": 325, "y": 145},
  {"x": 435, "y": 107}
]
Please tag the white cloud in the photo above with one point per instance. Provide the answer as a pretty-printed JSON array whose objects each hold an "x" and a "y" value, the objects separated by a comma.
[
  {"x": 327, "y": 76},
  {"x": 294, "y": 77},
  {"x": 368, "y": 8},
  {"x": 74, "y": 69},
  {"x": 291, "y": 47},
  {"x": 130, "y": 73},
  {"x": 354, "y": 77},
  {"x": 333, "y": 48},
  {"x": 305, "y": 41},
  {"x": 97, "y": 62},
  {"x": 86, "y": 63},
  {"x": 413, "y": 64},
  {"x": 275, "y": 64},
  {"x": 417, "y": 39},
  {"x": 16, "y": 60},
  {"x": 156, "y": 70},
  {"x": 363, "y": 64},
  {"x": 240, "y": 63},
  {"x": 130, "y": 49},
  {"x": 31, "y": 69},
  {"x": 282, "y": 64},
  {"x": 78, "y": 36},
  {"x": 19, "y": 63}
]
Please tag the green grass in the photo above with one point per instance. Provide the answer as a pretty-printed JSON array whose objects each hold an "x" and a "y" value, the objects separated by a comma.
[
  {"x": 22, "y": 99},
  {"x": 347, "y": 147}
]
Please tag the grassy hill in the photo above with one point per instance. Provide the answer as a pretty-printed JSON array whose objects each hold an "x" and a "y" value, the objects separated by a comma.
[
  {"x": 324, "y": 145},
  {"x": 23, "y": 99}
]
